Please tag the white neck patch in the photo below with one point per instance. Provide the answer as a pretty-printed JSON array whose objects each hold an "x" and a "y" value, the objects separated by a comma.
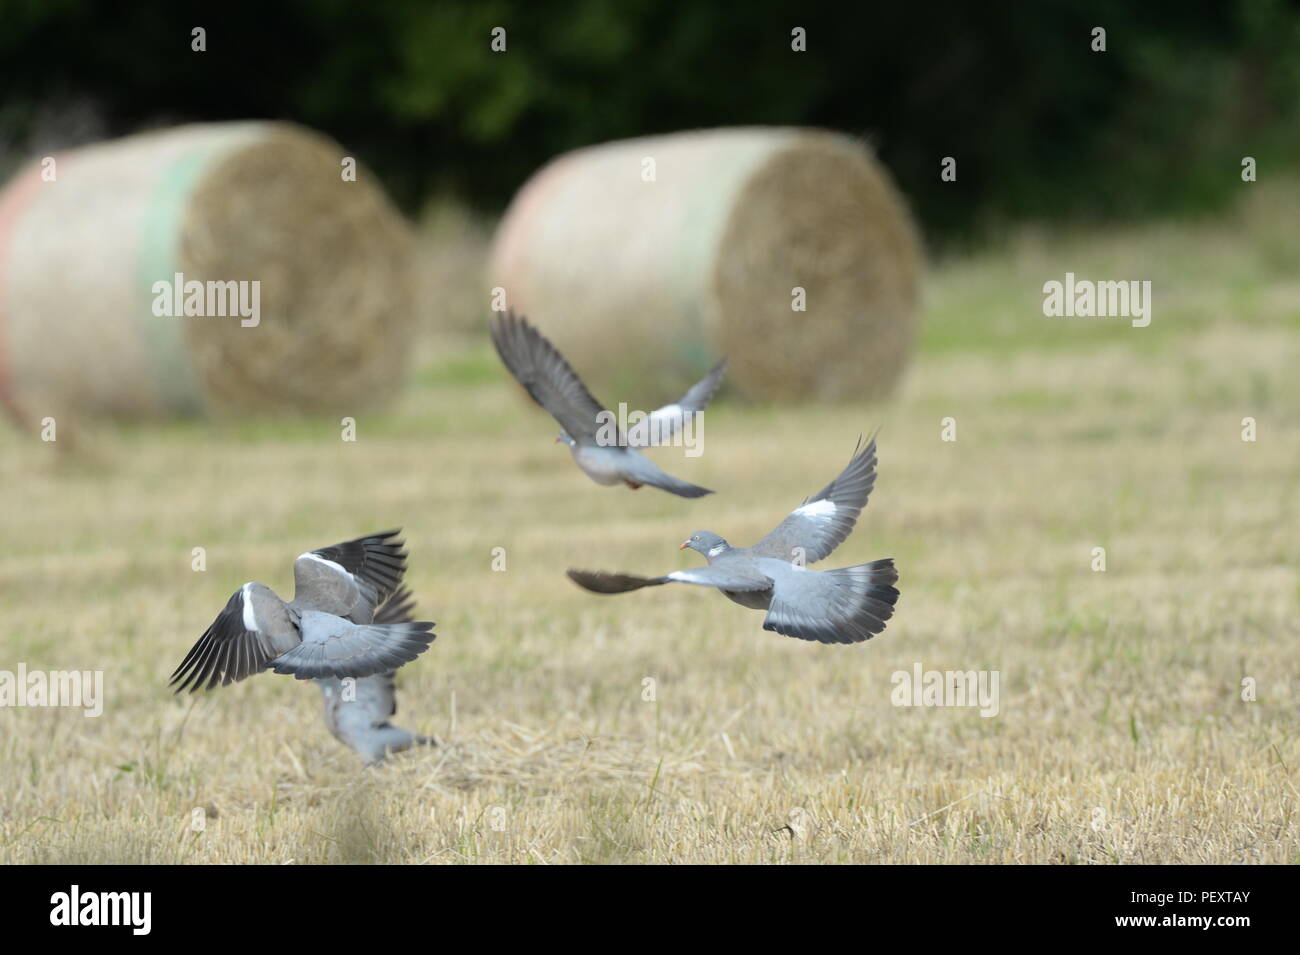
[{"x": 714, "y": 552}]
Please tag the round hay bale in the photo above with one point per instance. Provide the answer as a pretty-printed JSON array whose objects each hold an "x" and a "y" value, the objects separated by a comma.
[
  {"x": 84, "y": 324},
  {"x": 641, "y": 281}
]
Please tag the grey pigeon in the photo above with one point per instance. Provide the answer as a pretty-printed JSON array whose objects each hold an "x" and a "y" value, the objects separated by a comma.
[
  {"x": 327, "y": 630},
  {"x": 358, "y": 714},
  {"x": 547, "y": 376},
  {"x": 848, "y": 605}
]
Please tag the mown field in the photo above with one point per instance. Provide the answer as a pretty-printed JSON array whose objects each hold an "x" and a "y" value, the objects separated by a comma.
[{"x": 1121, "y": 735}]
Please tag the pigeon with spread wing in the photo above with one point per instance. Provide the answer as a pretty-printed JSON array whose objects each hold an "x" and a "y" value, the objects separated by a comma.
[
  {"x": 848, "y": 605},
  {"x": 328, "y": 630},
  {"x": 605, "y": 454}
]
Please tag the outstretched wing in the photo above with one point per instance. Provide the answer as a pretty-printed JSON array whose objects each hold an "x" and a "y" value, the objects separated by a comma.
[
  {"x": 233, "y": 648},
  {"x": 721, "y": 577},
  {"x": 546, "y": 375},
  {"x": 665, "y": 422},
  {"x": 351, "y": 579},
  {"x": 822, "y": 522},
  {"x": 599, "y": 582}
]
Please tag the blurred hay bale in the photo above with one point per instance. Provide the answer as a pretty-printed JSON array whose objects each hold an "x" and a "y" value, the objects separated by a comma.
[
  {"x": 232, "y": 202},
  {"x": 651, "y": 280}
]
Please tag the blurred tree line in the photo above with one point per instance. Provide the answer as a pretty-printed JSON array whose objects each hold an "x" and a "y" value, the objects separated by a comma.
[{"x": 1041, "y": 126}]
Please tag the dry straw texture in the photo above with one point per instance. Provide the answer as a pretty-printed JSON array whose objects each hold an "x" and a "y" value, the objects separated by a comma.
[
  {"x": 1120, "y": 691},
  {"x": 230, "y": 202},
  {"x": 649, "y": 280}
]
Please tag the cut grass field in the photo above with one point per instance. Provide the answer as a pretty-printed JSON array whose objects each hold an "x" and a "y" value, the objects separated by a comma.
[{"x": 1121, "y": 734}]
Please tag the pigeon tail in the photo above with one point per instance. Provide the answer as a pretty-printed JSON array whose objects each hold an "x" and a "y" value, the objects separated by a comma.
[
  {"x": 382, "y": 741},
  {"x": 641, "y": 470},
  {"x": 336, "y": 648},
  {"x": 851, "y": 604},
  {"x": 679, "y": 487}
]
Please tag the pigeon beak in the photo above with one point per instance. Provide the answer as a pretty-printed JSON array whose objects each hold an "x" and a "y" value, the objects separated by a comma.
[
  {"x": 557, "y": 439},
  {"x": 685, "y": 544}
]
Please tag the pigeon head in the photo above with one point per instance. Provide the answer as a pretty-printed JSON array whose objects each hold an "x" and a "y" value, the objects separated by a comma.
[
  {"x": 565, "y": 437},
  {"x": 707, "y": 543}
]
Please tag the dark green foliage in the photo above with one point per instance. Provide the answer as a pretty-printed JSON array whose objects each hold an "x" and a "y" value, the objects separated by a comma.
[{"x": 1041, "y": 126}]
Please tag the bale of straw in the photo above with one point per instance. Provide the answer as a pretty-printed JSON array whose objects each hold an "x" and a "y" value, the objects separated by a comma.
[
  {"x": 80, "y": 254},
  {"x": 640, "y": 278}
]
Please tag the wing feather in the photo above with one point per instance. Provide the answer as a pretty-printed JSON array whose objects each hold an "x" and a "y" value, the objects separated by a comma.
[
  {"x": 353, "y": 578},
  {"x": 822, "y": 522},
  {"x": 226, "y": 653},
  {"x": 720, "y": 576},
  {"x": 546, "y": 375},
  {"x": 663, "y": 423}
]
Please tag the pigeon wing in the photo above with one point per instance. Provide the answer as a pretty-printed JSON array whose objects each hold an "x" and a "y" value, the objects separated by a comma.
[
  {"x": 353, "y": 578},
  {"x": 822, "y": 522},
  {"x": 663, "y": 423},
  {"x": 719, "y": 576},
  {"x": 397, "y": 608},
  {"x": 546, "y": 375},
  {"x": 600, "y": 582},
  {"x": 233, "y": 648}
]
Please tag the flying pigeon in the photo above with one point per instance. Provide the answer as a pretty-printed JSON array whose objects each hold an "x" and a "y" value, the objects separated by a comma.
[
  {"x": 327, "y": 630},
  {"x": 547, "y": 376},
  {"x": 848, "y": 605},
  {"x": 360, "y": 718}
]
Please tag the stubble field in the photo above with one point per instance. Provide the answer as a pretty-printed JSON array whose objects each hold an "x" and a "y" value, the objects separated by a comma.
[{"x": 1121, "y": 734}]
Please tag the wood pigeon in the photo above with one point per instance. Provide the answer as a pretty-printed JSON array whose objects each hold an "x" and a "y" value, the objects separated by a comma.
[
  {"x": 606, "y": 455},
  {"x": 848, "y": 605},
  {"x": 328, "y": 630}
]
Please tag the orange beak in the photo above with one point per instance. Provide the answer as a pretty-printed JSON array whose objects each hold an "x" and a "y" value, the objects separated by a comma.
[{"x": 685, "y": 544}]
